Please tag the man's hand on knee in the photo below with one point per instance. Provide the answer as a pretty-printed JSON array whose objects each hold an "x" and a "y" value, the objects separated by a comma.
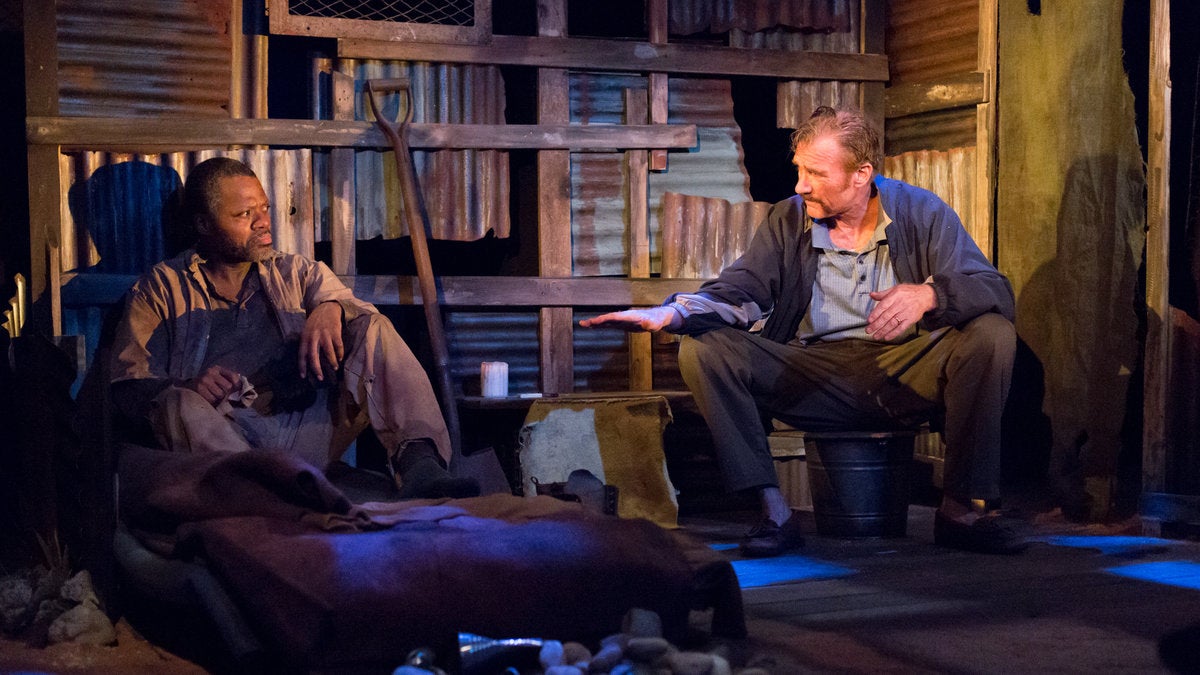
[{"x": 321, "y": 339}]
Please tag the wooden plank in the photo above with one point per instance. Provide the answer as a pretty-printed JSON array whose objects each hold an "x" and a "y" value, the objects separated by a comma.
[
  {"x": 45, "y": 194},
  {"x": 556, "y": 354},
  {"x": 585, "y": 54},
  {"x": 285, "y": 23},
  {"x": 1155, "y": 443},
  {"x": 95, "y": 133},
  {"x": 342, "y": 199},
  {"x": 637, "y": 164},
  {"x": 958, "y": 91},
  {"x": 873, "y": 28},
  {"x": 91, "y": 289},
  {"x": 983, "y": 217},
  {"x": 658, "y": 21}
]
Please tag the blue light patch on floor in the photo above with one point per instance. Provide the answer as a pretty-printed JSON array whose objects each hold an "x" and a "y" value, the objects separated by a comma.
[
  {"x": 1170, "y": 572},
  {"x": 1111, "y": 545},
  {"x": 722, "y": 547},
  {"x": 784, "y": 569}
]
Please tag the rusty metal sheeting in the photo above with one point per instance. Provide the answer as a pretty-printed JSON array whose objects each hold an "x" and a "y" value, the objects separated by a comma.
[
  {"x": 599, "y": 194},
  {"x": 930, "y": 39},
  {"x": 143, "y": 57},
  {"x": 117, "y": 208},
  {"x": 949, "y": 174},
  {"x": 688, "y": 17},
  {"x": 466, "y": 192},
  {"x": 476, "y": 337},
  {"x": 796, "y": 99},
  {"x": 701, "y": 235},
  {"x": 939, "y": 130}
]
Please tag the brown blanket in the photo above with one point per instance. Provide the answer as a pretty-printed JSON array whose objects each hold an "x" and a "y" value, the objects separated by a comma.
[{"x": 333, "y": 583}]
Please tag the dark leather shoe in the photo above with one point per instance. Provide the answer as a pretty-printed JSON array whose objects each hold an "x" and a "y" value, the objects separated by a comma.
[
  {"x": 987, "y": 534},
  {"x": 766, "y": 539}
]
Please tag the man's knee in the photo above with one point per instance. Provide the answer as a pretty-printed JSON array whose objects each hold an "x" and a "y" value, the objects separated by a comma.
[{"x": 991, "y": 333}]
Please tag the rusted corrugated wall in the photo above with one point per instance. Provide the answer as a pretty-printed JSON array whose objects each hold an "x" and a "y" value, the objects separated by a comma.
[
  {"x": 928, "y": 40},
  {"x": 143, "y": 57},
  {"x": 118, "y": 204},
  {"x": 949, "y": 174},
  {"x": 466, "y": 192},
  {"x": 701, "y": 235},
  {"x": 718, "y": 16},
  {"x": 599, "y": 199}
]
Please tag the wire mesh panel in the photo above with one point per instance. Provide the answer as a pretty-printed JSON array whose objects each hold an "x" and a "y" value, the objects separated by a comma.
[{"x": 460, "y": 21}]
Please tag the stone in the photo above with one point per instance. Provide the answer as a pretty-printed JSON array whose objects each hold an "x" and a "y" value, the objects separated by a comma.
[
  {"x": 84, "y": 625},
  {"x": 642, "y": 623},
  {"x": 607, "y": 658},
  {"x": 690, "y": 663},
  {"x": 574, "y": 653},
  {"x": 79, "y": 589},
  {"x": 551, "y": 654},
  {"x": 647, "y": 649}
]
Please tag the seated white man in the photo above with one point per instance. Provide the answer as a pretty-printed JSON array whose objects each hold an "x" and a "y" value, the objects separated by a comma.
[{"x": 880, "y": 312}]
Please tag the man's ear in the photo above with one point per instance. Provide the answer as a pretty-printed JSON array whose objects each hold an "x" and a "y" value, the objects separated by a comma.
[{"x": 863, "y": 174}]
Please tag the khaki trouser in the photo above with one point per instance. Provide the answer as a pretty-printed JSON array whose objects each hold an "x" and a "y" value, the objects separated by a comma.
[
  {"x": 963, "y": 373},
  {"x": 380, "y": 384}
]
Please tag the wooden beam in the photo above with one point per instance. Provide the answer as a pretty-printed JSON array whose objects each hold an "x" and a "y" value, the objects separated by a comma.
[
  {"x": 494, "y": 293},
  {"x": 45, "y": 193},
  {"x": 872, "y": 20},
  {"x": 107, "y": 132},
  {"x": 597, "y": 54},
  {"x": 1156, "y": 445},
  {"x": 556, "y": 348},
  {"x": 641, "y": 371},
  {"x": 956, "y": 91},
  {"x": 657, "y": 20},
  {"x": 342, "y": 199}
]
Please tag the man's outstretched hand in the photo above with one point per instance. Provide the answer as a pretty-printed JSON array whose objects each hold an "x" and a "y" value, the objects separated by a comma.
[
  {"x": 321, "y": 337},
  {"x": 651, "y": 319}
]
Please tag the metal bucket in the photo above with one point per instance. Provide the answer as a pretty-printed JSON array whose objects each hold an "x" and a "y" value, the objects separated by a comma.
[{"x": 860, "y": 482}]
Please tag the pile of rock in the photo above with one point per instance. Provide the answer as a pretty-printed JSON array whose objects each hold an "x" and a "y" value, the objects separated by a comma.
[
  {"x": 42, "y": 606},
  {"x": 639, "y": 648}
]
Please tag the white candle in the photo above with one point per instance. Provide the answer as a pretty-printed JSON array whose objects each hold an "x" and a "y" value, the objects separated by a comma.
[{"x": 493, "y": 379}]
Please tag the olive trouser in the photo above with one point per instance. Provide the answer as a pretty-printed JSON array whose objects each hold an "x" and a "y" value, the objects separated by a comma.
[
  {"x": 960, "y": 375},
  {"x": 380, "y": 384}
]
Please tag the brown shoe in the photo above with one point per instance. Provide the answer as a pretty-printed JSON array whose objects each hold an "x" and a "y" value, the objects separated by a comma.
[
  {"x": 766, "y": 539},
  {"x": 992, "y": 533}
]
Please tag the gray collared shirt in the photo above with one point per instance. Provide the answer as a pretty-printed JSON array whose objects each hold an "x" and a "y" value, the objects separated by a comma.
[{"x": 841, "y": 300}]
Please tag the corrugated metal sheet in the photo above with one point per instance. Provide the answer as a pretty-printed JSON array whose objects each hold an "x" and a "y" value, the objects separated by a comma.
[
  {"x": 599, "y": 209},
  {"x": 143, "y": 57},
  {"x": 701, "y": 235},
  {"x": 929, "y": 39},
  {"x": 688, "y": 17},
  {"x": 949, "y": 174},
  {"x": 796, "y": 99},
  {"x": 466, "y": 192},
  {"x": 117, "y": 208},
  {"x": 475, "y": 337},
  {"x": 940, "y": 130}
]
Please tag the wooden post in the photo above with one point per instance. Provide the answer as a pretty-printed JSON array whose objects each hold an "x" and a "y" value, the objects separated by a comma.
[
  {"x": 1155, "y": 443},
  {"x": 45, "y": 185},
  {"x": 341, "y": 178},
  {"x": 981, "y": 221},
  {"x": 555, "y": 329},
  {"x": 658, "y": 22},
  {"x": 641, "y": 372},
  {"x": 872, "y": 20}
]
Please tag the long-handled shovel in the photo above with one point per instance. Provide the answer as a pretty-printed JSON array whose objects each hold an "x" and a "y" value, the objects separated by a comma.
[{"x": 418, "y": 227}]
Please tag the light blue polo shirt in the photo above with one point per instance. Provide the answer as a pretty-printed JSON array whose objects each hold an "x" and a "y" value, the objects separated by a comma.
[{"x": 841, "y": 300}]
